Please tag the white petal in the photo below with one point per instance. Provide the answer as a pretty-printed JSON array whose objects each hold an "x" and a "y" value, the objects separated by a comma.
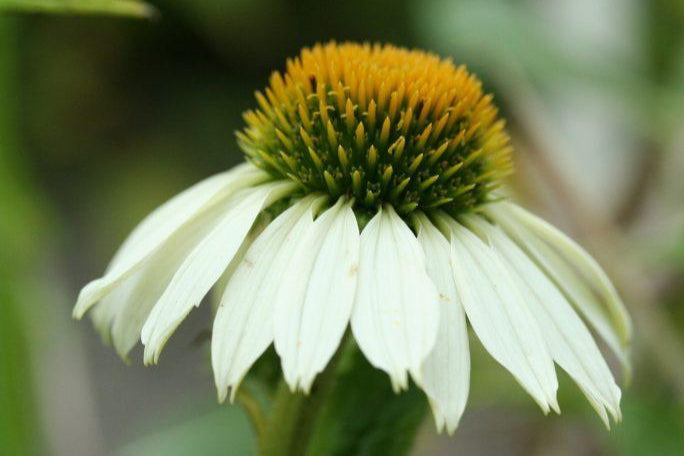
[
  {"x": 574, "y": 271},
  {"x": 316, "y": 296},
  {"x": 152, "y": 279},
  {"x": 579, "y": 257},
  {"x": 106, "y": 311},
  {"x": 218, "y": 290},
  {"x": 446, "y": 371},
  {"x": 205, "y": 264},
  {"x": 120, "y": 315},
  {"x": 157, "y": 227},
  {"x": 396, "y": 309},
  {"x": 581, "y": 296},
  {"x": 243, "y": 327},
  {"x": 499, "y": 315},
  {"x": 568, "y": 339}
]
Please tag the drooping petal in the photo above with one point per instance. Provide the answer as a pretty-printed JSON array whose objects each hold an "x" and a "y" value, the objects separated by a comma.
[
  {"x": 569, "y": 341},
  {"x": 574, "y": 271},
  {"x": 153, "y": 232},
  {"x": 205, "y": 264},
  {"x": 446, "y": 371},
  {"x": 316, "y": 296},
  {"x": 243, "y": 326},
  {"x": 120, "y": 315},
  {"x": 396, "y": 310},
  {"x": 499, "y": 315},
  {"x": 106, "y": 311}
]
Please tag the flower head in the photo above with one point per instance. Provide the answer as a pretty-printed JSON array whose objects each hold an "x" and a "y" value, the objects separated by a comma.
[
  {"x": 367, "y": 201},
  {"x": 382, "y": 125}
]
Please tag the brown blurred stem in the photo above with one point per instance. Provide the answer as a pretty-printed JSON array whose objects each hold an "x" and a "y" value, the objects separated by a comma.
[
  {"x": 647, "y": 174},
  {"x": 663, "y": 21}
]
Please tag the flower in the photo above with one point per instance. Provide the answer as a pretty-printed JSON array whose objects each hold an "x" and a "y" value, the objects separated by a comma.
[{"x": 369, "y": 199}]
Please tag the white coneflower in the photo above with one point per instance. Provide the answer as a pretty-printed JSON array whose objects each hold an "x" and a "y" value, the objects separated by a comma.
[{"x": 369, "y": 193}]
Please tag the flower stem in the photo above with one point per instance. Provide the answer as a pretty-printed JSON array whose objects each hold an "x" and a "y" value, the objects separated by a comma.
[
  {"x": 352, "y": 410},
  {"x": 294, "y": 415}
]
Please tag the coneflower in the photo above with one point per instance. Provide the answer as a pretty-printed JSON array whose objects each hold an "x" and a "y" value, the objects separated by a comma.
[{"x": 372, "y": 195}]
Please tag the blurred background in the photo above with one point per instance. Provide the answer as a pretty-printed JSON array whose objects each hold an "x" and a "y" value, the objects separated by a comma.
[{"x": 103, "y": 118}]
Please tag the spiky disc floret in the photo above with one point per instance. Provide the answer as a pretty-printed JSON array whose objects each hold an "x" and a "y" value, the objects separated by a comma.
[{"x": 380, "y": 124}]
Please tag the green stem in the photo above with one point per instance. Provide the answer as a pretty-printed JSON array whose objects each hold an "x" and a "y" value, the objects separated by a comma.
[
  {"x": 278, "y": 439},
  {"x": 351, "y": 411},
  {"x": 294, "y": 415}
]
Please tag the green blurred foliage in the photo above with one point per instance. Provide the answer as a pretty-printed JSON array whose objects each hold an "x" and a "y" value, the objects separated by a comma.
[
  {"x": 21, "y": 227},
  {"x": 652, "y": 425},
  {"x": 17, "y": 417},
  {"x": 216, "y": 433},
  {"x": 133, "y": 8}
]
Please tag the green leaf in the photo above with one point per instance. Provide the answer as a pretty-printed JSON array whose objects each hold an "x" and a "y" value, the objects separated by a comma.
[{"x": 130, "y": 8}]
